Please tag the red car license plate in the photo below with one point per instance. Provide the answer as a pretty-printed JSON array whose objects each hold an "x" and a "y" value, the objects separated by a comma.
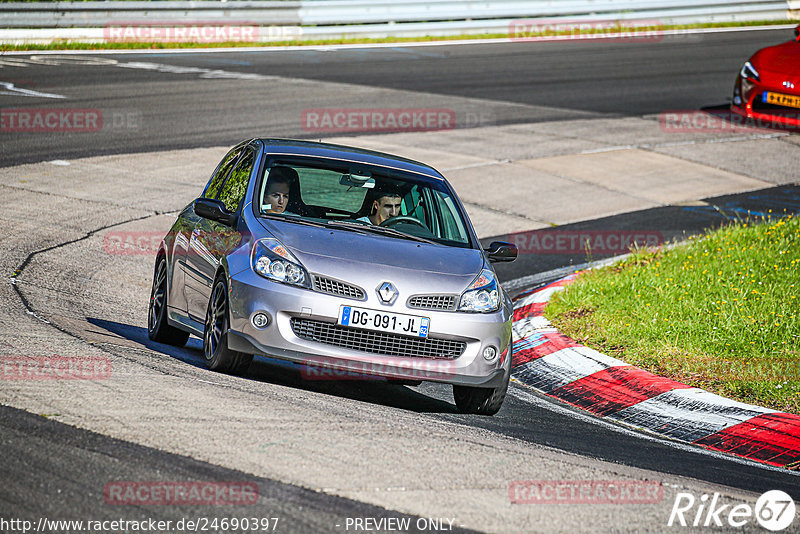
[{"x": 781, "y": 99}]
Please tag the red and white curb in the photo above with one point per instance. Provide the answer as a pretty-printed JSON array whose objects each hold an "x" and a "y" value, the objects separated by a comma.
[{"x": 559, "y": 367}]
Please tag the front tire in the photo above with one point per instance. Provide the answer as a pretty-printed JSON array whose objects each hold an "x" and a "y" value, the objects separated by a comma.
[
  {"x": 480, "y": 401},
  {"x": 217, "y": 355},
  {"x": 158, "y": 328}
]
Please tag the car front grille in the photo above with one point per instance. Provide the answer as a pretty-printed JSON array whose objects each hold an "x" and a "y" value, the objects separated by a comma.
[
  {"x": 433, "y": 302},
  {"x": 376, "y": 342},
  {"x": 336, "y": 287}
]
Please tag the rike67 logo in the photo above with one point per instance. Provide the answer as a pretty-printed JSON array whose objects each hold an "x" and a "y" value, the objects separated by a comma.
[{"x": 774, "y": 510}]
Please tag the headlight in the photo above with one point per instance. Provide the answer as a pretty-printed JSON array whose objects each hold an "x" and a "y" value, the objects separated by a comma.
[
  {"x": 737, "y": 95},
  {"x": 271, "y": 260},
  {"x": 483, "y": 295},
  {"x": 748, "y": 71}
]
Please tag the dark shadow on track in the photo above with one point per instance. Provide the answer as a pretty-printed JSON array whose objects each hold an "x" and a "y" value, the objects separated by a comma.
[
  {"x": 192, "y": 353},
  {"x": 544, "y": 421},
  {"x": 531, "y": 422},
  {"x": 63, "y": 470},
  {"x": 373, "y": 390}
]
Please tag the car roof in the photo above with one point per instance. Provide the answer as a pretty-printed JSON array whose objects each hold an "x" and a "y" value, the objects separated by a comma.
[{"x": 348, "y": 153}]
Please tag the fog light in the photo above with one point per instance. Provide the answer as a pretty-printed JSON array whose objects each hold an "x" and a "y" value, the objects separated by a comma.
[
  {"x": 260, "y": 320},
  {"x": 489, "y": 353}
]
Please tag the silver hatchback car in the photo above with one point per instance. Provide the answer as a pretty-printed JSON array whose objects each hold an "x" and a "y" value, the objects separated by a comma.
[{"x": 345, "y": 261}]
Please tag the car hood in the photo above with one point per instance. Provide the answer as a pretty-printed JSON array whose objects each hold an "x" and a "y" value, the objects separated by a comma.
[
  {"x": 779, "y": 61},
  {"x": 363, "y": 259}
]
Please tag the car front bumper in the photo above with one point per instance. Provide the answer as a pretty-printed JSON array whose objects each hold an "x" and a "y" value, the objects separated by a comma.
[
  {"x": 746, "y": 101},
  {"x": 251, "y": 294}
]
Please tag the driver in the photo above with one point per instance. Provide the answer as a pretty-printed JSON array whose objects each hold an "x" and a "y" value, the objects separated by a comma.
[
  {"x": 385, "y": 206},
  {"x": 276, "y": 196}
]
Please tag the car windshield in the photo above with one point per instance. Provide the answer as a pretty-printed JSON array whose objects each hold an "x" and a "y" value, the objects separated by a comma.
[{"x": 362, "y": 198}]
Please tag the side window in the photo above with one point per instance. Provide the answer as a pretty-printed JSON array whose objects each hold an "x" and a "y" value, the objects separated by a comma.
[
  {"x": 453, "y": 226},
  {"x": 236, "y": 185},
  {"x": 222, "y": 171}
]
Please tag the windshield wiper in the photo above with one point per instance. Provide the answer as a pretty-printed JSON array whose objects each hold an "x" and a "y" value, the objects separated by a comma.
[
  {"x": 352, "y": 226},
  {"x": 348, "y": 225},
  {"x": 378, "y": 230},
  {"x": 292, "y": 218},
  {"x": 398, "y": 233}
]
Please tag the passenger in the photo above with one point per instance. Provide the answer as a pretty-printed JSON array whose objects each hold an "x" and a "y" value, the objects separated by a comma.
[
  {"x": 385, "y": 206},
  {"x": 279, "y": 184}
]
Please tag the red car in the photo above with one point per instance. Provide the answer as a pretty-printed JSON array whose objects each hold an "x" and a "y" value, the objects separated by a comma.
[{"x": 767, "y": 89}]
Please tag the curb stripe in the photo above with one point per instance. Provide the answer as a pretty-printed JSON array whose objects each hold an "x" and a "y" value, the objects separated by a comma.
[
  {"x": 614, "y": 389},
  {"x": 543, "y": 294},
  {"x": 540, "y": 297},
  {"x": 771, "y": 438},
  {"x": 535, "y": 309},
  {"x": 560, "y": 367},
  {"x": 539, "y": 345},
  {"x": 530, "y": 326},
  {"x": 687, "y": 414},
  {"x": 522, "y": 295}
]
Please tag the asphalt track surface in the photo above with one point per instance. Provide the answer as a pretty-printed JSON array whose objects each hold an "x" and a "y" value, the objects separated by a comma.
[
  {"x": 575, "y": 79},
  {"x": 70, "y": 460},
  {"x": 568, "y": 80}
]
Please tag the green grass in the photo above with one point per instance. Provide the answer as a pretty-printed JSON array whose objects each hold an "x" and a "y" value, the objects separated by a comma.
[
  {"x": 76, "y": 45},
  {"x": 721, "y": 312}
]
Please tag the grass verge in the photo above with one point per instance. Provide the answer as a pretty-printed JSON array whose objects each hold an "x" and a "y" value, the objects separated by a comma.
[
  {"x": 721, "y": 312},
  {"x": 133, "y": 45}
]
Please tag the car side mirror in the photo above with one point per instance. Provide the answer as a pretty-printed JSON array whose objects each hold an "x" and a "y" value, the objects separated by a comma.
[
  {"x": 499, "y": 251},
  {"x": 210, "y": 208},
  {"x": 797, "y": 33}
]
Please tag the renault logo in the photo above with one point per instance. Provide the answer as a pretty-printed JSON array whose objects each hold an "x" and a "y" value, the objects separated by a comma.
[
  {"x": 387, "y": 293},
  {"x": 788, "y": 85}
]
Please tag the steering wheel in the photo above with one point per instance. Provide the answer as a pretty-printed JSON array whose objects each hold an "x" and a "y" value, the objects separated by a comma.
[{"x": 402, "y": 219}]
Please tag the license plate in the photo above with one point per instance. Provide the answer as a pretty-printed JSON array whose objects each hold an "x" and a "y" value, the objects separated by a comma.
[
  {"x": 781, "y": 99},
  {"x": 381, "y": 321}
]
